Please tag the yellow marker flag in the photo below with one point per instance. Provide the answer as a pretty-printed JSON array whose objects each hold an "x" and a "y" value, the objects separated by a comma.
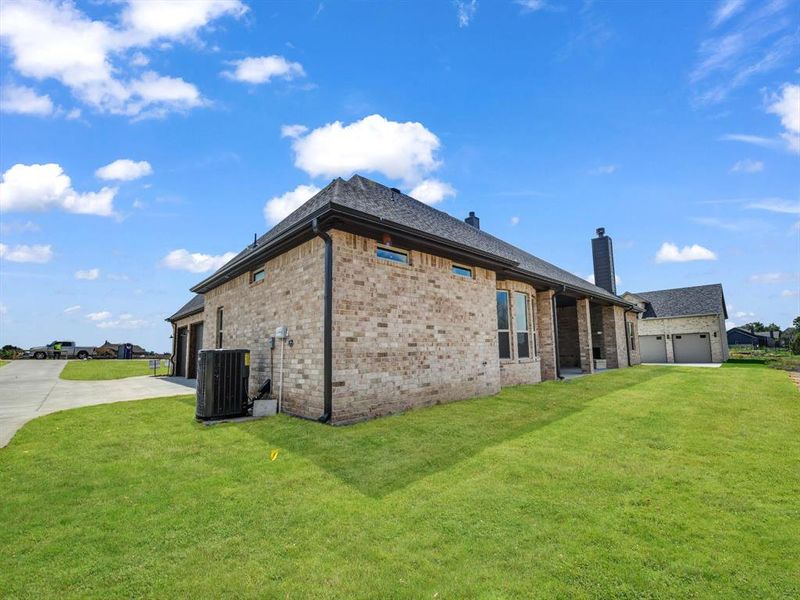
[{"x": 273, "y": 455}]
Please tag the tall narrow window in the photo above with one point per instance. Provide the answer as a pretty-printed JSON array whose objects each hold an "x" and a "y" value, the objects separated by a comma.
[
  {"x": 631, "y": 336},
  {"x": 503, "y": 333},
  {"x": 219, "y": 327},
  {"x": 521, "y": 325}
]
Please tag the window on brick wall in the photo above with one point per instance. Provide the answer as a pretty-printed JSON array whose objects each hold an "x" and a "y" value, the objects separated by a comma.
[
  {"x": 219, "y": 327},
  {"x": 631, "y": 336},
  {"x": 392, "y": 255},
  {"x": 521, "y": 324},
  {"x": 462, "y": 271},
  {"x": 503, "y": 325},
  {"x": 258, "y": 275}
]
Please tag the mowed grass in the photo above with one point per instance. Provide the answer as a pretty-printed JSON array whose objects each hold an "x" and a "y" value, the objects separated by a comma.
[
  {"x": 95, "y": 370},
  {"x": 653, "y": 482},
  {"x": 3, "y": 363}
]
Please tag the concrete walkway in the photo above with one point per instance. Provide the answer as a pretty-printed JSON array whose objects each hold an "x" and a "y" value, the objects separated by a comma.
[{"x": 31, "y": 388}]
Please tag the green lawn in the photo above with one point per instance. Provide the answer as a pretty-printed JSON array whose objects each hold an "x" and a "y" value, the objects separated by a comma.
[
  {"x": 654, "y": 482},
  {"x": 3, "y": 363},
  {"x": 85, "y": 370}
]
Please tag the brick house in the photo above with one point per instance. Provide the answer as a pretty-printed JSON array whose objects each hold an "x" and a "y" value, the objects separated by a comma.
[
  {"x": 682, "y": 325},
  {"x": 391, "y": 304}
]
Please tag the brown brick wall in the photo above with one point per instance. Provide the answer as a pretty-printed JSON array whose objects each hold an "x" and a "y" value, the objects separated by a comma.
[
  {"x": 545, "y": 334},
  {"x": 290, "y": 295},
  {"x": 408, "y": 335},
  {"x": 585, "y": 335}
]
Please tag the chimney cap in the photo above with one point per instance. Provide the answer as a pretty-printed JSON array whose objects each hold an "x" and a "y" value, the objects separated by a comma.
[
  {"x": 472, "y": 213},
  {"x": 601, "y": 231},
  {"x": 395, "y": 190}
]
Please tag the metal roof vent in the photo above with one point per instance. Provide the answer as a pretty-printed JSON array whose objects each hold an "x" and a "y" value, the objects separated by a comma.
[{"x": 473, "y": 220}]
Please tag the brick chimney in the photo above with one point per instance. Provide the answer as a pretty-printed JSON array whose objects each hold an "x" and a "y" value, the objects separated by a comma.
[
  {"x": 603, "y": 257},
  {"x": 473, "y": 220}
]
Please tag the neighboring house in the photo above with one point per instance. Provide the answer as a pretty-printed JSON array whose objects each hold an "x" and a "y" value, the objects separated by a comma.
[
  {"x": 187, "y": 337},
  {"x": 110, "y": 350},
  {"x": 741, "y": 336},
  {"x": 682, "y": 325},
  {"x": 391, "y": 304}
]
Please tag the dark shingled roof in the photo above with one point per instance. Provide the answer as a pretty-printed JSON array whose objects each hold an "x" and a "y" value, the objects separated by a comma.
[
  {"x": 372, "y": 198},
  {"x": 195, "y": 305},
  {"x": 683, "y": 302}
]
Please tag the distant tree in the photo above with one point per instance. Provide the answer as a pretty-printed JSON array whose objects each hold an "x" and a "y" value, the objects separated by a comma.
[
  {"x": 795, "y": 345},
  {"x": 772, "y": 327},
  {"x": 9, "y": 351},
  {"x": 755, "y": 326},
  {"x": 796, "y": 323}
]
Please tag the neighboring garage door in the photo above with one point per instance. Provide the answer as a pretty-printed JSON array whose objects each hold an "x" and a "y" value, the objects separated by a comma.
[
  {"x": 691, "y": 348},
  {"x": 653, "y": 348}
]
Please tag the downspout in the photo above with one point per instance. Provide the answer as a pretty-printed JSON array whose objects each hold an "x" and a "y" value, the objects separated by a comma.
[
  {"x": 327, "y": 325},
  {"x": 174, "y": 347},
  {"x": 627, "y": 337},
  {"x": 555, "y": 333}
]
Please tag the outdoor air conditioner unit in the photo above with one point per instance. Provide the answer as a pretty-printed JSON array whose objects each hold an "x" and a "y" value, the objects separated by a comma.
[{"x": 222, "y": 381}]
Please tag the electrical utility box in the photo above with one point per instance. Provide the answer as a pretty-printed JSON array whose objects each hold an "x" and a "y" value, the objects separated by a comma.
[{"x": 222, "y": 381}]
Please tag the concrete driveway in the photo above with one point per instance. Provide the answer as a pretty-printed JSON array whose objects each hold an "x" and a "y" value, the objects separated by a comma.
[{"x": 31, "y": 388}]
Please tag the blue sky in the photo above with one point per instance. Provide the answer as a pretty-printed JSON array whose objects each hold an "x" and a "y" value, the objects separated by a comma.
[{"x": 140, "y": 142}]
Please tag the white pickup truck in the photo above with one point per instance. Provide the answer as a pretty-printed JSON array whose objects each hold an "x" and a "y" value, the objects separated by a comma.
[{"x": 59, "y": 349}]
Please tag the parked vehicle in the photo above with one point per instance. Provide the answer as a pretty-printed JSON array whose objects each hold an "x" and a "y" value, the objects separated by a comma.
[{"x": 59, "y": 349}]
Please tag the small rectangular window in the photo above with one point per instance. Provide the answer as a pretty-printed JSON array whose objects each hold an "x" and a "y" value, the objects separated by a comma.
[
  {"x": 462, "y": 271},
  {"x": 521, "y": 324},
  {"x": 258, "y": 275},
  {"x": 393, "y": 255},
  {"x": 503, "y": 332},
  {"x": 219, "y": 327}
]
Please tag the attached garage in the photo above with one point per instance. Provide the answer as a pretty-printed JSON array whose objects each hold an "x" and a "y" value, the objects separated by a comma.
[
  {"x": 691, "y": 347},
  {"x": 653, "y": 348}
]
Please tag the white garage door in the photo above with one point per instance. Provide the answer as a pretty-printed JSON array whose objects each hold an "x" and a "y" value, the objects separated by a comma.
[
  {"x": 652, "y": 348},
  {"x": 691, "y": 347}
]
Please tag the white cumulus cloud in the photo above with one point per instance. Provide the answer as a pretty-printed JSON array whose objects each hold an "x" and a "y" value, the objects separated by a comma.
[
  {"x": 278, "y": 208},
  {"x": 790, "y": 293},
  {"x": 671, "y": 253},
  {"x": 88, "y": 274},
  {"x": 261, "y": 69},
  {"x": 515, "y": 220},
  {"x": 124, "y": 169},
  {"x": 432, "y": 191},
  {"x": 405, "y": 151},
  {"x": 55, "y": 40},
  {"x": 41, "y": 187},
  {"x": 786, "y": 105},
  {"x": 23, "y": 253},
  {"x": 194, "y": 262},
  {"x": 72, "y": 309},
  {"x": 22, "y": 100},
  {"x": 774, "y": 277}
]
